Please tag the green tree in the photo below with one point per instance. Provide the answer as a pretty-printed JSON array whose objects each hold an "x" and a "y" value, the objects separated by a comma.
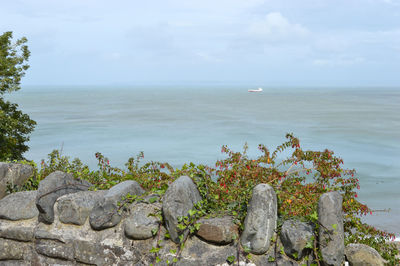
[{"x": 15, "y": 126}]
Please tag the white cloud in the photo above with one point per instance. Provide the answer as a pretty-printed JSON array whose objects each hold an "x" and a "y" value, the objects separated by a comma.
[{"x": 275, "y": 27}]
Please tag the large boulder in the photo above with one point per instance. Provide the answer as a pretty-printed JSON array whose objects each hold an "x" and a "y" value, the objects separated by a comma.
[
  {"x": 75, "y": 208},
  {"x": 19, "y": 206},
  {"x": 142, "y": 221},
  {"x": 51, "y": 188},
  {"x": 179, "y": 198},
  {"x": 363, "y": 255},
  {"x": 260, "y": 222},
  {"x": 294, "y": 236},
  {"x": 105, "y": 212},
  {"x": 13, "y": 174},
  {"x": 217, "y": 230},
  {"x": 331, "y": 231}
]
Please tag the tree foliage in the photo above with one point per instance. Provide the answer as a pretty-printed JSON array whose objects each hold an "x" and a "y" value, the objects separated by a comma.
[{"x": 15, "y": 126}]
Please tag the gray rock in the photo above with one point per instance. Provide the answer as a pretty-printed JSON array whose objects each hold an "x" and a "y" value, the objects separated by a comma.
[
  {"x": 13, "y": 174},
  {"x": 43, "y": 233},
  {"x": 20, "y": 233},
  {"x": 105, "y": 212},
  {"x": 15, "y": 263},
  {"x": 363, "y": 255},
  {"x": 260, "y": 222},
  {"x": 197, "y": 252},
  {"x": 140, "y": 223},
  {"x": 274, "y": 257},
  {"x": 42, "y": 260},
  {"x": 331, "y": 232},
  {"x": 179, "y": 198},
  {"x": 97, "y": 254},
  {"x": 18, "y": 206},
  {"x": 51, "y": 188},
  {"x": 54, "y": 249},
  {"x": 294, "y": 237},
  {"x": 218, "y": 230},
  {"x": 122, "y": 189},
  {"x": 13, "y": 250},
  {"x": 75, "y": 208}
]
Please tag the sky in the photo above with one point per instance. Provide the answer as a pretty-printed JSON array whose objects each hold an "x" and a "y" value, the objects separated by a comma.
[{"x": 208, "y": 42}]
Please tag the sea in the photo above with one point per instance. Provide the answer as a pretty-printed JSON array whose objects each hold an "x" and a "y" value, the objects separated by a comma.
[{"x": 182, "y": 124}]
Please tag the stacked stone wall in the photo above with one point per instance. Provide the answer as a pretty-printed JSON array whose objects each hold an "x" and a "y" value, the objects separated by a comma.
[{"x": 63, "y": 223}]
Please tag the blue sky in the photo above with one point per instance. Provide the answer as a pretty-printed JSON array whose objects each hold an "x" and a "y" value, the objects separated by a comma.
[{"x": 187, "y": 42}]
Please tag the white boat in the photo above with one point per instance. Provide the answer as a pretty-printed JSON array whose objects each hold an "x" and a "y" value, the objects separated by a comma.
[{"x": 257, "y": 90}]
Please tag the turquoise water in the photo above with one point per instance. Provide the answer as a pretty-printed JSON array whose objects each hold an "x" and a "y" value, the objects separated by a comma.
[{"x": 181, "y": 125}]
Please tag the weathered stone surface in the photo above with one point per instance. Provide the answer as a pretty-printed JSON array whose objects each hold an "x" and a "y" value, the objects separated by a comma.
[
  {"x": 363, "y": 255},
  {"x": 260, "y": 221},
  {"x": 14, "y": 250},
  {"x": 218, "y": 230},
  {"x": 331, "y": 232},
  {"x": 105, "y": 212},
  {"x": 15, "y": 263},
  {"x": 13, "y": 174},
  {"x": 23, "y": 206},
  {"x": 44, "y": 233},
  {"x": 122, "y": 189},
  {"x": 105, "y": 247},
  {"x": 51, "y": 188},
  {"x": 197, "y": 252},
  {"x": 75, "y": 208},
  {"x": 294, "y": 237},
  {"x": 274, "y": 257},
  {"x": 140, "y": 223},
  {"x": 179, "y": 198},
  {"x": 54, "y": 249},
  {"x": 97, "y": 254},
  {"x": 19, "y": 233},
  {"x": 42, "y": 260}
]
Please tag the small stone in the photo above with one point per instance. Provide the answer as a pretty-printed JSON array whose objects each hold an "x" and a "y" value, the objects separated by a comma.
[
  {"x": 23, "y": 206},
  {"x": 75, "y": 208},
  {"x": 140, "y": 224},
  {"x": 363, "y": 255},
  {"x": 51, "y": 188},
  {"x": 331, "y": 232},
  {"x": 179, "y": 198},
  {"x": 105, "y": 212},
  {"x": 218, "y": 230},
  {"x": 13, "y": 174},
  {"x": 260, "y": 222},
  {"x": 294, "y": 236}
]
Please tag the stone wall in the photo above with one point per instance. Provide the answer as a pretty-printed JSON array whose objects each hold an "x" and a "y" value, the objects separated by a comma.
[{"x": 63, "y": 223}]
